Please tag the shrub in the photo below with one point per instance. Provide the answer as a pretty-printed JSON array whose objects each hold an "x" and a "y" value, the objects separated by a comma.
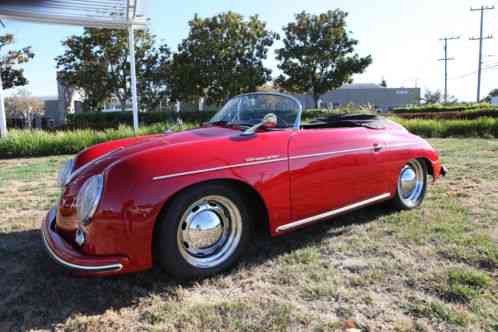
[
  {"x": 101, "y": 121},
  {"x": 470, "y": 115},
  {"x": 38, "y": 143},
  {"x": 434, "y": 108},
  {"x": 482, "y": 127}
]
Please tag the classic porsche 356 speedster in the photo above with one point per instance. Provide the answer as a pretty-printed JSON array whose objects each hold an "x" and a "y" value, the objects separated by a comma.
[{"x": 189, "y": 201}]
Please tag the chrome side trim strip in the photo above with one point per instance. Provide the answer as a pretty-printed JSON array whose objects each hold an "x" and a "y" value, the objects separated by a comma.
[
  {"x": 331, "y": 153},
  {"x": 157, "y": 178},
  {"x": 402, "y": 145},
  {"x": 53, "y": 255},
  {"x": 332, "y": 213},
  {"x": 254, "y": 163}
]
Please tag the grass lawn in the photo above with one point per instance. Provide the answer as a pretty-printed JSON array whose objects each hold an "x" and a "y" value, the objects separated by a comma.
[{"x": 432, "y": 269}]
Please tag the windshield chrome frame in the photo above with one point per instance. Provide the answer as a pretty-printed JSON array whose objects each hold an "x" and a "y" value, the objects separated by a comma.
[{"x": 297, "y": 123}]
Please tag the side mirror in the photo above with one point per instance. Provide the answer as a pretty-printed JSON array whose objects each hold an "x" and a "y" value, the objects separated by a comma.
[{"x": 269, "y": 121}]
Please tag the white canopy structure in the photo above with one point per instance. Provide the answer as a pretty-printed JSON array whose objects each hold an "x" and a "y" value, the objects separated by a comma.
[{"x": 113, "y": 14}]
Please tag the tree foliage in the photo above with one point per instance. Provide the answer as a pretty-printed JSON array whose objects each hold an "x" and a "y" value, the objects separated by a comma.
[
  {"x": 318, "y": 54},
  {"x": 432, "y": 97},
  {"x": 493, "y": 93},
  {"x": 13, "y": 76},
  {"x": 97, "y": 62},
  {"x": 24, "y": 104},
  {"x": 221, "y": 57}
]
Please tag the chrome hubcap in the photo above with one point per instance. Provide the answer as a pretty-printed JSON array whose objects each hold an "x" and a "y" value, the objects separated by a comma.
[
  {"x": 411, "y": 183},
  {"x": 209, "y": 231},
  {"x": 408, "y": 180}
]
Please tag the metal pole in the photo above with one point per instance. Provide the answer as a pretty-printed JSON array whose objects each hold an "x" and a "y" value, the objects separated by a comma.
[
  {"x": 481, "y": 39},
  {"x": 479, "y": 72},
  {"x": 446, "y": 71},
  {"x": 3, "y": 118},
  {"x": 446, "y": 59},
  {"x": 134, "y": 95}
]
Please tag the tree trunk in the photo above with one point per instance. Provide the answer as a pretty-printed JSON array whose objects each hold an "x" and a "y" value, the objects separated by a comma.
[
  {"x": 29, "y": 121},
  {"x": 122, "y": 102},
  {"x": 316, "y": 98}
]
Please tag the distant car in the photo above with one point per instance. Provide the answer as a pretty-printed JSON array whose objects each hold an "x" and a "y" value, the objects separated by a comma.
[{"x": 189, "y": 201}]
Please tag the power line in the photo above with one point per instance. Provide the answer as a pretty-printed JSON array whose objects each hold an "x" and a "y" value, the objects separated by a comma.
[
  {"x": 446, "y": 59},
  {"x": 481, "y": 39},
  {"x": 487, "y": 68}
]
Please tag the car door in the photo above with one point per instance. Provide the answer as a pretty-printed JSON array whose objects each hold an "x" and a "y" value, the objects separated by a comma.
[{"x": 333, "y": 168}]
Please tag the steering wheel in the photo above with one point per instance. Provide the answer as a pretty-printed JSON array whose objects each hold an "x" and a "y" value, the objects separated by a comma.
[{"x": 281, "y": 123}]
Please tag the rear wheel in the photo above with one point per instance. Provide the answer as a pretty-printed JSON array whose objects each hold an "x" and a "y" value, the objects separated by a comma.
[
  {"x": 204, "y": 231},
  {"x": 411, "y": 185}
]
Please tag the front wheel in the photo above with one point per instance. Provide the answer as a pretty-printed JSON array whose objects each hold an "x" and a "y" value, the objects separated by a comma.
[
  {"x": 204, "y": 232},
  {"x": 411, "y": 186}
]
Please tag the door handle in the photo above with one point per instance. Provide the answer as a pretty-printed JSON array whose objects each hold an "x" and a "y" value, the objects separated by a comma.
[{"x": 378, "y": 147}]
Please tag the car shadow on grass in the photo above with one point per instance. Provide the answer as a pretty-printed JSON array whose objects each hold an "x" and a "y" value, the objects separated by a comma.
[{"x": 35, "y": 293}]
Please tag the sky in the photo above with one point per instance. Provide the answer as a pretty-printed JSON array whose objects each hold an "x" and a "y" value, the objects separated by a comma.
[{"x": 402, "y": 37}]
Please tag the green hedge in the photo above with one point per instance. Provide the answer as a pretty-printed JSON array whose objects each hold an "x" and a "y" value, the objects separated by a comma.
[
  {"x": 433, "y": 108},
  {"x": 482, "y": 127},
  {"x": 101, "y": 121},
  {"x": 39, "y": 143}
]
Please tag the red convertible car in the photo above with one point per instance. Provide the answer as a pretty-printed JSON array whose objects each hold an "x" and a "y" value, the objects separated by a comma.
[{"x": 189, "y": 201}]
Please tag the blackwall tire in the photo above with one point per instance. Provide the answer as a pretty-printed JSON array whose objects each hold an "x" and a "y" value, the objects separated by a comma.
[{"x": 204, "y": 231}]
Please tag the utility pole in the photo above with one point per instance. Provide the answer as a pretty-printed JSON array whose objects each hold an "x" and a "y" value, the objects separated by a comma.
[
  {"x": 3, "y": 117},
  {"x": 446, "y": 59},
  {"x": 481, "y": 39}
]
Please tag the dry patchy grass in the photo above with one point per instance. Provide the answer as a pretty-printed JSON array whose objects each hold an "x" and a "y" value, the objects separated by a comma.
[{"x": 432, "y": 269}]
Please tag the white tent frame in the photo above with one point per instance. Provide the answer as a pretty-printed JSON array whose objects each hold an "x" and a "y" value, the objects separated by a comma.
[{"x": 63, "y": 13}]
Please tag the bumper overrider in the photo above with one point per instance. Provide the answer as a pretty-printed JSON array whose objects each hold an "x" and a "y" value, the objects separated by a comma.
[
  {"x": 66, "y": 255},
  {"x": 444, "y": 170}
]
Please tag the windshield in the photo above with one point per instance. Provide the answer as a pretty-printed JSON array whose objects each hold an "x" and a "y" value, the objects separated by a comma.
[{"x": 249, "y": 110}]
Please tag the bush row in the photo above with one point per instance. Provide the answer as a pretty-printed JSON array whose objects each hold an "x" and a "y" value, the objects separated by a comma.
[
  {"x": 467, "y": 115},
  {"x": 102, "y": 121},
  {"x": 434, "y": 108},
  {"x": 39, "y": 143},
  {"x": 483, "y": 127}
]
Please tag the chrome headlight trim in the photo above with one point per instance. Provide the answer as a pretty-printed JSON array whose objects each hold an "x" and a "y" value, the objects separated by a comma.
[
  {"x": 80, "y": 170},
  {"x": 89, "y": 198},
  {"x": 65, "y": 171}
]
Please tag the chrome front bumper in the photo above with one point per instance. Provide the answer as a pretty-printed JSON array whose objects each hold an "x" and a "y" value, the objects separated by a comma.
[{"x": 64, "y": 254}]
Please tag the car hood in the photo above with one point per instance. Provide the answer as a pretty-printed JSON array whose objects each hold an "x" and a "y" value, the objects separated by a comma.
[{"x": 96, "y": 159}]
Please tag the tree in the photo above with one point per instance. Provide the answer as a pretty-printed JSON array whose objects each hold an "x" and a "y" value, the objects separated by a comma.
[
  {"x": 318, "y": 54},
  {"x": 153, "y": 86},
  {"x": 432, "y": 97},
  {"x": 221, "y": 57},
  {"x": 22, "y": 103},
  {"x": 492, "y": 94},
  {"x": 97, "y": 62},
  {"x": 11, "y": 75}
]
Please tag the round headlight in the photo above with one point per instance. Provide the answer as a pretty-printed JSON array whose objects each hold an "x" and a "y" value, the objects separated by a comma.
[
  {"x": 65, "y": 172},
  {"x": 89, "y": 198}
]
